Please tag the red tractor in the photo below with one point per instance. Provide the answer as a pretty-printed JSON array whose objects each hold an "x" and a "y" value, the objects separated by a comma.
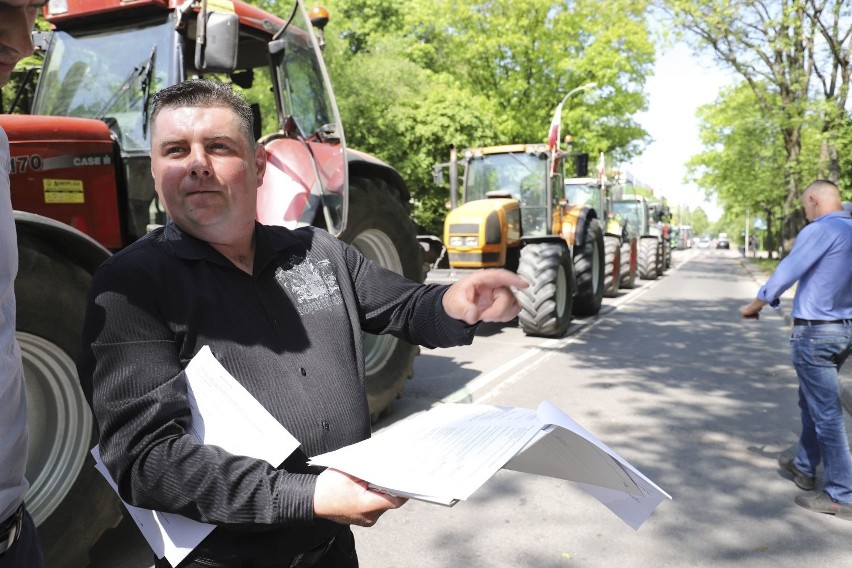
[{"x": 82, "y": 189}]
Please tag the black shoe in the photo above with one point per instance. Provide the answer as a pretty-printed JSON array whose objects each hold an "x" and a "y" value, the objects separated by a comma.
[
  {"x": 801, "y": 480},
  {"x": 822, "y": 503}
]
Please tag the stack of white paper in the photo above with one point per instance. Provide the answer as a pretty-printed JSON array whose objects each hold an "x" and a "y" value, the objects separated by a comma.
[{"x": 445, "y": 454}]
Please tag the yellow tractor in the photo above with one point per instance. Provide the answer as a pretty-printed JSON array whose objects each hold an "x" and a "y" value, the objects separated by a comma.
[{"x": 512, "y": 213}]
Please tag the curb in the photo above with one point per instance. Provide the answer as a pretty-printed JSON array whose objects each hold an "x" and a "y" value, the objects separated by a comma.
[{"x": 760, "y": 277}]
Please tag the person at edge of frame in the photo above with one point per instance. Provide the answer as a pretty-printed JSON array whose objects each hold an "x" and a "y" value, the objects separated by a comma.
[
  {"x": 820, "y": 343},
  {"x": 19, "y": 542}
]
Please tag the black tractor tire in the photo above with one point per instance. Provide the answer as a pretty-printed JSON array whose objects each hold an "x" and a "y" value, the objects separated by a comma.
[
  {"x": 546, "y": 303},
  {"x": 649, "y": 258},
  {"x": 629, "y": 262},
  {"x": 71, "y": 503},
  {"x": 380, "y": 228},
  {"x": 667, "y": 247},
  {"x": 589, "y": 270},
  {"x": 612, "y": 265},
  {"x": 661, "y": 258}
]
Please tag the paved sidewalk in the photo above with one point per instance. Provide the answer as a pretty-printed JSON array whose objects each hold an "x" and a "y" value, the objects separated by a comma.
[{"x": 760, "y": 277}]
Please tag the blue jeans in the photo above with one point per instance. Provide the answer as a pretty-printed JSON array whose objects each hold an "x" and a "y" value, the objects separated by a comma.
[{"x": 818, "y": 352}]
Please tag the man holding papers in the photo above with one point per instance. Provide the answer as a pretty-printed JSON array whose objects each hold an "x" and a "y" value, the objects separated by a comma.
[{"x": 282, "y": 311}]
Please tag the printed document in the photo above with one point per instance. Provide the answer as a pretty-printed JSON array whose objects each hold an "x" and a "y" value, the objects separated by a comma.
[
  {"x": 566, "y": 450},
  {"x": 442, "y": 456},
  {"x": 445, "y": 454},
  {"x": 224, "y": 414}
]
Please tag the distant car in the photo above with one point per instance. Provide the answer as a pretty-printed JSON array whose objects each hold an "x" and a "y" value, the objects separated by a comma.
[
  {"x": 722, "y": 242},
  {"x": 704, "y": 242}
]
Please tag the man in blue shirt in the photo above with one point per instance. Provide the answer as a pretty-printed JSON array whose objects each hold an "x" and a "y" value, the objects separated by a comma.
[{"x": 821, "y": 341}]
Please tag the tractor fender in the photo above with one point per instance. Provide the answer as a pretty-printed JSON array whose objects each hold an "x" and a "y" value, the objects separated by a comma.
[
  {"x": 578, "y": 218},
  {"x": 584, "y": 219},
  {"x": 78, "y": 247},
  {"x": 367, "y": 166},
  {"x": 291, "y": 186}
]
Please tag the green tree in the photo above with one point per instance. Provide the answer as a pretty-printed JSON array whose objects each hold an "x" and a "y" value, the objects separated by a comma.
[
  {"x": 408, "y": 116},
  {"x": 414, "y": 77},
  {"x": 19, "y": 90},
  {"x": 844, "y": 144},
  {"x": 526, "y": 54},
  {"x": 699, "y": 221},
  {"x": 780, "y": 49},
  {"x": 743, "y": 160}
]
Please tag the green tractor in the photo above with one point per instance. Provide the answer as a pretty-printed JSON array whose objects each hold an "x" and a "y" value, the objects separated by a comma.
[
  {"x": 596, "y": 196},
  {"x": 645, "y": 223}
]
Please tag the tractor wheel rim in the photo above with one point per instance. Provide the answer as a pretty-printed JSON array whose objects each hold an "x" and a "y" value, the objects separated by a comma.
[
  {"x": 561, "y": 291},
  {"x": 596, "y": 267},
  {"x": 59, "y": 422},
  {"x": 378, "y": 247}
]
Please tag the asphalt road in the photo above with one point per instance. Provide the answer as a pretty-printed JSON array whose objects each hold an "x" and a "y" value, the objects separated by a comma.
[{"x": 670, "y": 377}]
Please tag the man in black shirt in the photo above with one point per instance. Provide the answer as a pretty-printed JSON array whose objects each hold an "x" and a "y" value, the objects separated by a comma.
[{"x": 214, "y": 276}]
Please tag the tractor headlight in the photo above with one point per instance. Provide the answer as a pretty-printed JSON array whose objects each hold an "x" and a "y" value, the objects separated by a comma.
[{"x": 472, "y": 242}]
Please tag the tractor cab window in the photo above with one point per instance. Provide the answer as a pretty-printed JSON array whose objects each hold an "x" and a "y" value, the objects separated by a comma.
[
  {"x": 519, "y": 175},
  {"x": 107, "y": 76},
  {"x": 307, "y": 112},
  {"x": 584, "y": 194},
  {"x": 631, "y": 212},
  {"x": 311, "y": 112},
  {"x": 305, "y": 96}
]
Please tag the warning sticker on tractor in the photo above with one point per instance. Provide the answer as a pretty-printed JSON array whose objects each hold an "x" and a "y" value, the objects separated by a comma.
[
  {"x": 224, "y": 6},
  {"x": 63, "y": 191}
]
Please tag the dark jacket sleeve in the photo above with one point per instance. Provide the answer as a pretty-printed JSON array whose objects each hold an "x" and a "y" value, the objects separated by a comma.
[
  {"x": 132, "y": 375},
  {"x": 390, "y": 303}
]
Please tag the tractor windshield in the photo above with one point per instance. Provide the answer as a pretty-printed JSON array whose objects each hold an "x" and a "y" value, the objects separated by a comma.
[
  {"x": 584, "y": 194},
  {"x": 519, "y": 175},
  {"x": 305, "y": 95},
  {"x": 307, "y": 111},
  {"x": 632, "y": 212},
  {"x": 107, "y": 75}
]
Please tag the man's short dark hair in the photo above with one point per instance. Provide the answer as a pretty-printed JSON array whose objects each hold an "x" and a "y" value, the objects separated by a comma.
[{"x": 204, "y": 93}]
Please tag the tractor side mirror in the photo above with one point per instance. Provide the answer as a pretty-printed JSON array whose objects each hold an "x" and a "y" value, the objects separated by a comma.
[
  {"x": 653, "y": 213},
  {"x": 216, "y": 42},
  {"x": 581, "y": 165},
  {"x": 41, "y": 40}
]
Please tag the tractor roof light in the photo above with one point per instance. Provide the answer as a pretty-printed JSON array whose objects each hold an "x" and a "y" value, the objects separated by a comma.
[{"x": 319, "y": 16}]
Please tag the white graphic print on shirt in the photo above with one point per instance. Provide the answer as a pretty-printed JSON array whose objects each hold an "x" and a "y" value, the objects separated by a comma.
[{"x": 311, "y": 284}]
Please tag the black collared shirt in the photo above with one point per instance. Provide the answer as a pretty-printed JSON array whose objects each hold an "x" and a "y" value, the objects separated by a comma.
[{"x": 290, "y": 333}]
